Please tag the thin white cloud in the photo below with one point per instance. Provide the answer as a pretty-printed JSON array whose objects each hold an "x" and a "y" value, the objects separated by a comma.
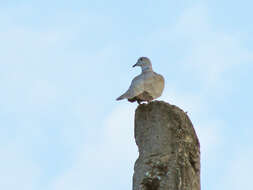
[
  {"x": 213, "y": 53},
  {"x": 238, "y": 173},
  {"x": 208, "y": 59},
  {"x": 26, "y": 79},
  {"x": 111, "y": 155},
  {"x": 204, "y": 51},
  {"x": 17, "y": 170}
]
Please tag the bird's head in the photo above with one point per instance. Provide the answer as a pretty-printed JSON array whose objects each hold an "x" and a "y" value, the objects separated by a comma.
[{"x": 144, "y": 63}]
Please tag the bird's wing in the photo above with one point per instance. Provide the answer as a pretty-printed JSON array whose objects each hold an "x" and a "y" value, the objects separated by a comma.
[
  {"x": 136, "y": 88},
  {"x": 160, "y": 84},
  {"x": 154, "y": 84}
]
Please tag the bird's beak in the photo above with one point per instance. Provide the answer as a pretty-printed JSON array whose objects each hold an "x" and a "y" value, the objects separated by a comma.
[{"x": 136, "y": 64}]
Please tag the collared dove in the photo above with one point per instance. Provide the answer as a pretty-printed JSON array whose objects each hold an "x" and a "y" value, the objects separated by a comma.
[{"x": 145, "y": 87}]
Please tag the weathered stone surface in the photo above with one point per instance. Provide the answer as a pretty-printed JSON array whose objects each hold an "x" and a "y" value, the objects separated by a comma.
[{"x": 169, "y": 155}]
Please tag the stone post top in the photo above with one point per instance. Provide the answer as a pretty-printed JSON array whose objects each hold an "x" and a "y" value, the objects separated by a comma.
[{"x": 169, "y": 150}]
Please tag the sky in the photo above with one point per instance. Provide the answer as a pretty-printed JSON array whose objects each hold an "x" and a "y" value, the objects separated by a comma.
[{"x": 63, "y": 64}]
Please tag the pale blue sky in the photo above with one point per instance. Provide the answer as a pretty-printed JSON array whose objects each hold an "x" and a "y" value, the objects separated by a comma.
[{"x": 63, "y": 63}]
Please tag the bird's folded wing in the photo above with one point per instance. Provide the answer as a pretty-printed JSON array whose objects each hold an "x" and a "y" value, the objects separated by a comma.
[
  {"x": 154, "y": 85},
  {"x": 136, "y": 87},
  {"x": 159, "y": 84}
]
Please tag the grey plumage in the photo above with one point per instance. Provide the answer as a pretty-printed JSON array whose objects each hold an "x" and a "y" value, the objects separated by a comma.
[{"x": 145, "y": 87}]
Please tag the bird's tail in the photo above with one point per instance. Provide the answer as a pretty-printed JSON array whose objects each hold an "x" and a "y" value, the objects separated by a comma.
[{"x": 121, "y": 97}]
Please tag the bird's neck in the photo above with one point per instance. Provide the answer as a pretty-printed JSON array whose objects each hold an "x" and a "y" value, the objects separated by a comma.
[{"x": 146, "y": 69}]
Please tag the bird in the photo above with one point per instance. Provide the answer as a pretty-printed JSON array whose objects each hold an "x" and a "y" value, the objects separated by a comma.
[{"x": 145, "y": 87}]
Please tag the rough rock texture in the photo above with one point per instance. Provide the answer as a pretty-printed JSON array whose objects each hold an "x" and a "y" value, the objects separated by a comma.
[{"x": 169, "y": 155}]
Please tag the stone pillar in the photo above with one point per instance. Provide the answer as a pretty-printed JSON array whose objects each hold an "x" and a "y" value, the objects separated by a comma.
[{"x": 169, "y": 150}]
